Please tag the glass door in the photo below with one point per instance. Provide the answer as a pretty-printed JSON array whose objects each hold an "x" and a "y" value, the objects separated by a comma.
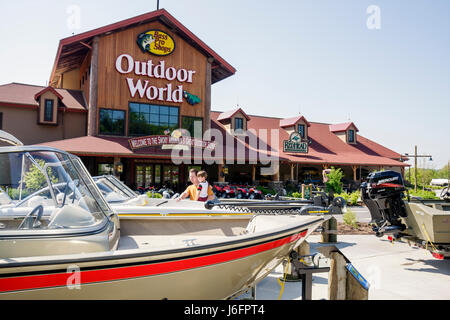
[{"x": 144, "y": 175}]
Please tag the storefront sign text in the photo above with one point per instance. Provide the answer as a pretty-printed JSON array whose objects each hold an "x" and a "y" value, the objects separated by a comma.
[
  {"x": 295, "y": 144},
  {"x": 159, "y": 140},
  {"x": 125, "y": 64}
]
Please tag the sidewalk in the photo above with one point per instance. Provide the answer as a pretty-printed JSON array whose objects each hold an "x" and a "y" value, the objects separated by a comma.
[{"x": 395, "y": 272}]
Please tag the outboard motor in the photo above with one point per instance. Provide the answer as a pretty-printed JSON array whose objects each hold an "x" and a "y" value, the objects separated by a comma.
[{"x": 382, "y": 194}]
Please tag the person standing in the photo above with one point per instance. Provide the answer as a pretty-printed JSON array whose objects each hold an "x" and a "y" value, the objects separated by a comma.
[
  {"x": 202, "y": 188},
  {"x": 191, "y": 191}
]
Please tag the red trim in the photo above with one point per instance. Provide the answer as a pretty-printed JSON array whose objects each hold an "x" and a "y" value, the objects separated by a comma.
[
  {"x": 131, "y": 21},
  {"x": 51, "y": 89},
  {"x": 18, "y": 105},
  {"x": 389, "y": 185},
  {"x": 111, "y": 274},
  {"x": 30, "y": 106},
  {"x": 219, "y": 118},
  {"x": 72, "y": 110},
  {"x": 288, "y": 122}
]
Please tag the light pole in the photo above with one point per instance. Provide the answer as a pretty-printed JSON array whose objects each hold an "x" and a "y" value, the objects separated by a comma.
[{"x": 415, "y": 156}]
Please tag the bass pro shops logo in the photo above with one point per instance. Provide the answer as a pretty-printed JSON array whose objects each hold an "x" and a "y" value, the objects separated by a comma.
[{"x": 156, "y": 42}]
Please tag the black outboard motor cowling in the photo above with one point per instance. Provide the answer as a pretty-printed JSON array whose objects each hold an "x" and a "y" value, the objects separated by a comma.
[{"x": 382, "y": 194}]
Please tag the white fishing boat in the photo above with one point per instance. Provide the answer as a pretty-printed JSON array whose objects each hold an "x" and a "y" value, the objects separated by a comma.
[{"x": 60, "y": 239}]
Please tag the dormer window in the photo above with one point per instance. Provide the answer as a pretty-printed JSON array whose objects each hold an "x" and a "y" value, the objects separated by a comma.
[
  {"x": 49, "y": 100},
  {"x": 234, "y": 121},
  {"x": 296, "y": 124},
  {"x": 351, "y": 136},
  {"x": 345, "y": 131},
  {"x": 48, "y": 110},
  {"x": 301, "y": 130},
  {"x": 238, "y": 124}
]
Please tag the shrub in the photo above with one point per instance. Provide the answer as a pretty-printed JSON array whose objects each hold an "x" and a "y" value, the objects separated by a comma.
[
  {"x": 154, "y": 195},
  {"x": 350, "y": 219},
  {"x": 297, "y": 194},
  {"x": 290, "y": 188},
  {"x": 343, "y": 195},
  {"x": 265, "y": 190},
  {"x": 354, "y": 196},
  {"x": 14, "y": 193},
  {"x": 334, "y": 182},
  {"x": 423, "y": 194}
]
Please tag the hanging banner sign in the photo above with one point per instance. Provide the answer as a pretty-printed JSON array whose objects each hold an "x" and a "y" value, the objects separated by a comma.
[
  {"x": 295, "y": 144},
  {"x": 159, "y": 140}
]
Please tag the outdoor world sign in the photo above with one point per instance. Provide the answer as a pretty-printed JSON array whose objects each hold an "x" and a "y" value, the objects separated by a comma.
[
  {"x": 161, "y": 44},
  {"x": 295, "y": 144}
]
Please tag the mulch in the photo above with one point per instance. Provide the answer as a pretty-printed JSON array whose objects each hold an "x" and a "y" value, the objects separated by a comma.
[{"x": 362, "y": 229}]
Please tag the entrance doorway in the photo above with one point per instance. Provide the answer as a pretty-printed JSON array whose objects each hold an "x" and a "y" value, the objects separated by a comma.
[{"x": 157, "y": 175}]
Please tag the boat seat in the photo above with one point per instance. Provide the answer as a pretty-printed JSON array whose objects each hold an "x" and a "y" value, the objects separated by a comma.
[{"x": 71, "y": 216}]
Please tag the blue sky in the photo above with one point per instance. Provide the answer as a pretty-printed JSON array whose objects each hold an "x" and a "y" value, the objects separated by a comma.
[{"x": 314, "y": 57}]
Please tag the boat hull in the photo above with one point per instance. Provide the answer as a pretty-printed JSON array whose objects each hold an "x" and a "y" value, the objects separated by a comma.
[{"x": 204, "y": 272}]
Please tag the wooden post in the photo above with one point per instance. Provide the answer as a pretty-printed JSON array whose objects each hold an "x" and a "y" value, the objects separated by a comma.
[
  {"x": 354, "y": 290},
  {"x": 292, "y": 172},
  {"x": 93, "y": 89},
  {"x": 115, "y": 162},
  {"x": 253, "y": 173},
  {"x": 304, "y": 249},
  {"x": 332, "y": 230},
  {"x": 415, "y": 168},
  {"x": 325, "y": 236},
  {"x": 303, "y": 191},
  {"x": 354, "y": 172},
  {"x": 219, "y": 173},
  {"x": 207, "y": 123},
  {"x": 276, "y": 176},
  {"x": 337, "y": 279}
]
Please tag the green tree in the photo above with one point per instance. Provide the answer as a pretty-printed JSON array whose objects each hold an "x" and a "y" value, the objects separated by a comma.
[
  {"x": 334, "y": 182},
  {"x": 35, "y": 180}
]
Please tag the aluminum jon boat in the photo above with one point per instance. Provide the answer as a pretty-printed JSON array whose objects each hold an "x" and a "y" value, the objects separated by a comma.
[{"x": 67, "y": 242}]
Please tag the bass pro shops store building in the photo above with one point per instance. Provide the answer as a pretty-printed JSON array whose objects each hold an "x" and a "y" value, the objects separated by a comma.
[{"x": 123, "y": 96}]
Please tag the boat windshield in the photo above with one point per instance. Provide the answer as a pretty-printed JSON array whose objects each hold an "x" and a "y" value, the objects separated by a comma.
[
  {"x": 113, "y": 189},
  {"x": 47, "y": 190}
]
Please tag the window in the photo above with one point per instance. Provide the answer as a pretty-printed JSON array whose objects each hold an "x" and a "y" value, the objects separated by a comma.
[
  {"x": 105, "y": 169},
  {"x": 112, "y": 122},
  {"x": 189, "y": 123},
  {"x": 351, "y": 136},
  {"x": 170, "y": 175},
  {"x": 301, "y": 130},
  {"x": 238, "y": 124},
  {"x": 146, "y": 119},
  {"x": 48, "y": 110}
]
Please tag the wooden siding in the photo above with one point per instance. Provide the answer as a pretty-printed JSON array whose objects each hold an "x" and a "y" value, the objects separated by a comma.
[{"x": 113, "y": 92}]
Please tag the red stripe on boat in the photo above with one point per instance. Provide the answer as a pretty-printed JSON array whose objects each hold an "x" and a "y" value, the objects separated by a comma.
[{"x": 92, "y": 276}]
